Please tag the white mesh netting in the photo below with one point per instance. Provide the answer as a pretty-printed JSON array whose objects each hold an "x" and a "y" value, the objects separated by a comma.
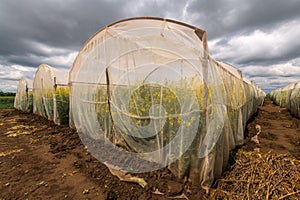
[
  {"x": 51, "y": 94},
  {"x": 289, "y": 97},
  {"x": 145, "y": 94},
  {"x": 24, "y": 97}
]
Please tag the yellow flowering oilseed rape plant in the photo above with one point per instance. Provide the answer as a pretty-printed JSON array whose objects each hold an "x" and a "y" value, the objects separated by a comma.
[
  {"x": 62, "y": 104},
  {"x": 146, "y": 94}
]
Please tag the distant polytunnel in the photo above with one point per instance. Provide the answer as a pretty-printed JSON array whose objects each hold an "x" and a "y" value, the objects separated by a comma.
[
  {"x": 24, "y": 97},
  {"x": 51, "y": 94},
  {"x": 289, "y": 97},
  {"x": 146, "y": 94}
]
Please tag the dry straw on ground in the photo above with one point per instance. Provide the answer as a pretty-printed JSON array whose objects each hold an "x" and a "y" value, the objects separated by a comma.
[{"x": 260, "y": 176}]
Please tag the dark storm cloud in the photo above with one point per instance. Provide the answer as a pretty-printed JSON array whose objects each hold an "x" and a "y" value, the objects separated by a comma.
[
  {"x": 221, "y": 17},
  {"x": 35, "y": 32},
  {"x": 256, "y": 36},
  {"x": 158, "y": 8},
  {"x": 61, "y": 24},
  {"x": 55, "y": 23}
]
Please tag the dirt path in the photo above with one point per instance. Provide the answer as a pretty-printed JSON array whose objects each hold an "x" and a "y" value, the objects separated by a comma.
[
  {"x": 40, "y": 160},
  {"x": 280, "y": 132}
]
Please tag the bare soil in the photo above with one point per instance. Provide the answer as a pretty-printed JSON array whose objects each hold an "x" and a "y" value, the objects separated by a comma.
[
  {"x": 41, "y": 160},
  {"x": 280, "y": 132}
]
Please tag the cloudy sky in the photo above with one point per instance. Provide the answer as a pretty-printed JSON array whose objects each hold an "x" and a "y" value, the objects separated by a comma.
[{"x": 262, "y": 38}]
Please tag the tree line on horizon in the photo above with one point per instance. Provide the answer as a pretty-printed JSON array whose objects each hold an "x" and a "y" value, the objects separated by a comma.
[{"x": 5, "y": 94}]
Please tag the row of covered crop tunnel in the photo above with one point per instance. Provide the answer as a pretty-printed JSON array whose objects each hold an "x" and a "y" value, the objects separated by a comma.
[
  {"x": 289, "y": 97},
  {"x": 47, "y": 95},
  {"x": 148, "y": 87}
]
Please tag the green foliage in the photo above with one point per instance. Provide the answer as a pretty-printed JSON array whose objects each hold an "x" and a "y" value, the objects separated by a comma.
[
  {"x": 283, "y": 98},
  {"x": 62, "y": 104},
  {"x": 7, "y": 102},
  {"x": 103, "y": 115},
  {"x": 7, "y": 94},
  {"x": 146, "y": 96},
  {"x": 49, "y": 104},
  {"x": 30, "y": 101}
]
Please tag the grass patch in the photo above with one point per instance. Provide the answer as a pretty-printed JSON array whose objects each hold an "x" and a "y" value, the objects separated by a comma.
[{"x": 7, "y": 102}]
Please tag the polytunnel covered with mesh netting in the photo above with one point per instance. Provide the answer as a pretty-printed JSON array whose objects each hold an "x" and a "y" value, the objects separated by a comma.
[
  {"x": 289, "y": 97},
  {"x": 51, "y": 94},
  {"x": 146, "y": 94},
  {"x": 24, "y": 97}
]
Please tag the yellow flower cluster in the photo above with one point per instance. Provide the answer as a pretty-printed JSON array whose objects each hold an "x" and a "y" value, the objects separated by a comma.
[{"x": 152, "y": 102}]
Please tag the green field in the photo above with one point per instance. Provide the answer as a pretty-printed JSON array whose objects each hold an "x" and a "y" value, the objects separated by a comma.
[{"x": 7, "y": 102}]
